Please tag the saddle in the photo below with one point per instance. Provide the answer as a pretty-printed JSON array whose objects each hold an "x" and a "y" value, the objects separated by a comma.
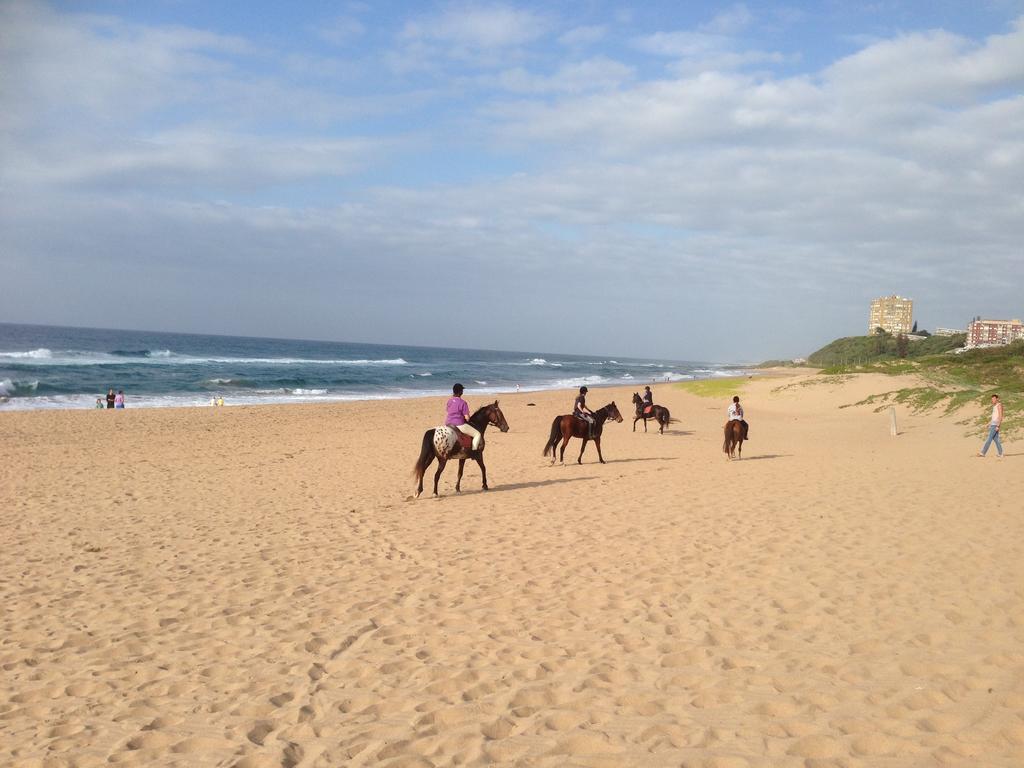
[{"x": 648, "y": 409}]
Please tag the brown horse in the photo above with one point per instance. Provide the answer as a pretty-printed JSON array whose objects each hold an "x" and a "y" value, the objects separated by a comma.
[
  {"x": 659, "y": 413},
  {"x": 443, "y": 444},
  {"x": 568, "y": 426},
  {"x": 734, "y": 436}
]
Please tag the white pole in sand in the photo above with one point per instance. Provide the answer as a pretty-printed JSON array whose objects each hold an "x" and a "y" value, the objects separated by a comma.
[{"x": 892, "y": 421}]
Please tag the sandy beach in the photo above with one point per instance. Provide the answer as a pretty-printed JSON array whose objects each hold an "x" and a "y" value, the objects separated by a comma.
[{"x": 256, "y": 587}]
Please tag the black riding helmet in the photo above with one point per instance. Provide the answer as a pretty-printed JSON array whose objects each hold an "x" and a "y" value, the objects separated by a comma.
[
  {"x": 583, "y": 390},
  {"x": 457, "y": 390}
]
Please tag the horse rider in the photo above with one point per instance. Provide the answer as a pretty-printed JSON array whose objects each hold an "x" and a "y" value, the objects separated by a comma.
[
  {"x": 648, "y": 405},
  {"x": 736, "y": 414},
  {"x": 580, "y": 411},
  {"x": 457, "y": 416}
]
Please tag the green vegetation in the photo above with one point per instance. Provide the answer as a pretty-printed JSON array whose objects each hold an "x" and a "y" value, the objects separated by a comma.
[
  {"x": 956, "y": 381},
  {"x": 780, "y": 364},
  {"x": 858, "y": 350},
  {"x": 713, "y": 387}
]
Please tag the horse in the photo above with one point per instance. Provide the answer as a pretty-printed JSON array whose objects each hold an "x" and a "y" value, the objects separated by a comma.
[
  {"x": 447, "y": 443},
  {"x": 659, "y": 413},
  {"x": 733, "y": 439},
  {"x": 569, "y": 426}
]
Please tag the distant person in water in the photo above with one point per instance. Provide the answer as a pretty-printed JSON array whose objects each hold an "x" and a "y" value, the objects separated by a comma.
[
  {"x": 736, "y": 414},
  {"x": 993, "y": 429},
  {"x": 110, "y": 399},
  {"x": 119, "y": 399},
  {"x": 457, "y": 416}
]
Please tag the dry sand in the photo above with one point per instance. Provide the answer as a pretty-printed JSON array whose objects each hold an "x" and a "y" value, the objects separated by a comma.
[{"x": 253, "y": 587}]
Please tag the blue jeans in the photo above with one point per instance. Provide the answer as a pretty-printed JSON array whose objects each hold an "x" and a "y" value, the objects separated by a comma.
[{"x": 993, "y": 437}]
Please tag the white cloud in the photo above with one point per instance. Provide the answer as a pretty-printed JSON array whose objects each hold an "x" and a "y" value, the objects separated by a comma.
[
  {"x": 730, "y": 21},
  {"x": 578, "y": 37},
  {"x": 340, "y": 30},
  {"x": 595, "y": 74},
  {"x": 479, "y": 27},
  {"x": 934, "y": 67}
]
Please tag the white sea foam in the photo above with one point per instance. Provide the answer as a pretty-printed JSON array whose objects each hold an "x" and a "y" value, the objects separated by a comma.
[
  {"x": 35, "y": 354},
  {"x": 299, "y": 391},
  {"x": 167, "y": 357},
  {"x": 580, "y": 381},
  {"x": 9, "y": 388}
]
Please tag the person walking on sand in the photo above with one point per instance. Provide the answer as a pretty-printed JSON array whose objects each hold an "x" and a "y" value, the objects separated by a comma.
[
  {"x": 110, "y": 399},
  {"x": 993, "y": 428},
  {"x": 119, "y": 399},
  {"x": 736, "y": 414},
  {"x": 457, "y": 416}
]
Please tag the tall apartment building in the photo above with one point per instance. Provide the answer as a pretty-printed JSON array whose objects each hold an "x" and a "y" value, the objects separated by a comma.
[
  {"x": 993, "y": 333},
  {"x": 893, "y": 314}
]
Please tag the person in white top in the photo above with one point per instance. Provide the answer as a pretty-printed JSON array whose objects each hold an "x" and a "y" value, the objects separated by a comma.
[
  {"x": 993, "y": 428},
  {"x": 736, "y": 414}
]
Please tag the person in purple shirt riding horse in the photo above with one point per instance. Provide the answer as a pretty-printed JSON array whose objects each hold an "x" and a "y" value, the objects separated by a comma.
[{"x": 457, "y": 416}]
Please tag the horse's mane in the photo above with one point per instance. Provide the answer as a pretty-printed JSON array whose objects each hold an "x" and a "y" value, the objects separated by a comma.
[{"x": 480, "y": 410}]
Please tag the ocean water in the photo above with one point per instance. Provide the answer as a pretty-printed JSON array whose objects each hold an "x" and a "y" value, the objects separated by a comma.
[{"x": 55, "y": 367}]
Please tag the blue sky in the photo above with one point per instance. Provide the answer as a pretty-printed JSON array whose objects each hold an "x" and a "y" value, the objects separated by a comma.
[{"x": 728, "y": 181}]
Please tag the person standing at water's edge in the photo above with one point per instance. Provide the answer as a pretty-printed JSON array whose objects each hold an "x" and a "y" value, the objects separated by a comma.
[
  {"x": 993, "y": 428},
  {"x": 110, "y": 399},
  {"x": 736, "y": 414},
  {"x": 119, "y": 399},
  {"x": 457, "y": 415}
]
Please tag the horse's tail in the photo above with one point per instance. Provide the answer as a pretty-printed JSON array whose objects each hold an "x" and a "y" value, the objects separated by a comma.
[
  {"x": 426, "y": 455},
  {"x": 727, "y": 431},
  {"x": 556, "y": 432}
]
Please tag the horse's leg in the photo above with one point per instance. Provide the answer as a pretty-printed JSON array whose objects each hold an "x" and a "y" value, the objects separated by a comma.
[
  {"x": 739, "y": 449},
  {"x": 419, "y": 487},
  {"x": 597, "y": 442},
  {"x": 458, "y": 480},
  {"x": 645, "y": 423},
  {"x": 582, "y": 449},
  {"x": 565, "y": 442},
  {"x": 635, "y": 421},
  {"x": 483, "y": 469},
  {"x": 440, "y": 468}
]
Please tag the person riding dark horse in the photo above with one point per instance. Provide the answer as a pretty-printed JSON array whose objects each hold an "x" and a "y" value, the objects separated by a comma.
[
  {"x": 580, "y": 411},
  {"x": 736, "y": 414},
  {"x": 570, "y": 425},
  {"x": 647, "y": 410}
]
